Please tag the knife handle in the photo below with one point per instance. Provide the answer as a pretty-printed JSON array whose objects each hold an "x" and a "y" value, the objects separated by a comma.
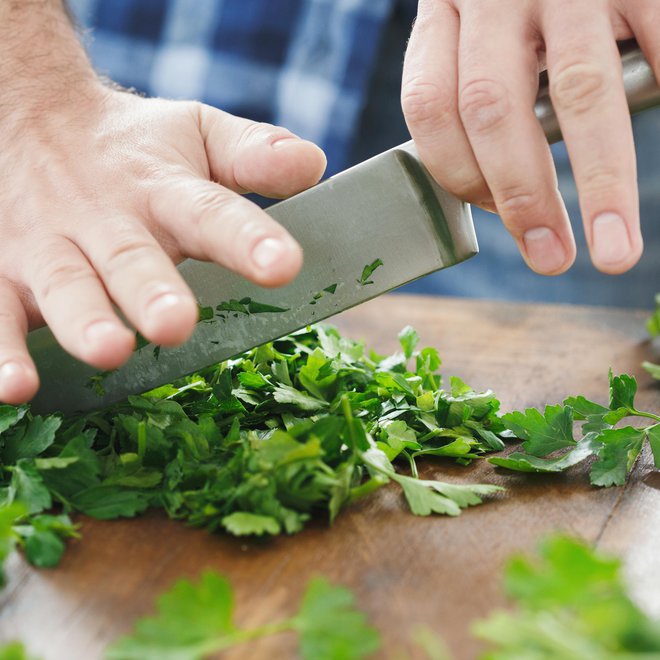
[{"x": 642, "y": 90}]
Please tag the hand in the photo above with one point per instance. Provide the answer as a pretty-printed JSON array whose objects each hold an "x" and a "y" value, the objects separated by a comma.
[
  {"x": 469, "y": 85},
  {"x": 103, "y": 191}
]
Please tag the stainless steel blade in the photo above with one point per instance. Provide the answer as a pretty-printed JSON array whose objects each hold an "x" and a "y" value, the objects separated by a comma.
[{"x": 387, "y": 208}]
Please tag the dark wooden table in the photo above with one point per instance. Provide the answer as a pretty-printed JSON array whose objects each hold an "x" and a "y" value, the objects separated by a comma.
[{"x": 437, "y": 571}]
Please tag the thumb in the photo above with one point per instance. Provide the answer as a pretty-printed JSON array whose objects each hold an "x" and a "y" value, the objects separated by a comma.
[{"x": 249, "y": 156}]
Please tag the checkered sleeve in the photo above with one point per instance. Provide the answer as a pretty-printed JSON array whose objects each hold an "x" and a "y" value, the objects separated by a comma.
[{"x": 303, "y": 64}]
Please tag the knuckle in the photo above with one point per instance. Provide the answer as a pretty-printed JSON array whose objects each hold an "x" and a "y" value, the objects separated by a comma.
[
  {"x": 469, "y": 186},
  {"x": 483, "y": 104},
  {"x": 577, "y": 86},
  {"x": 126, "y": 250},
  {"x": 598, "y": 179},
  {"x": 127, "y": 243},
  {"x": 426, "y": 103},
  {"x": 58, "y": 273},
  {"x": 209, "y": 204},
  {"x": 517, "y": 206},
  {"x": 260, "y": 132}
]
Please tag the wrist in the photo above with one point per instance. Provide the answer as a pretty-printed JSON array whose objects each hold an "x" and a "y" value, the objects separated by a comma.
[{"x": 43, "y": 65}]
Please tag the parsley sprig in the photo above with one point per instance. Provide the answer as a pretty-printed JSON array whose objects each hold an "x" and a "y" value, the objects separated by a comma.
[
  {"x": 570, "y": 604},
  {"x": 552, "y": 432},
  {"x": 195, "y": 620}
]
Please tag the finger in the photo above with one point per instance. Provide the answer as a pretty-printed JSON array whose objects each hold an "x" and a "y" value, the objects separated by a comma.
[
  {"x": 498, "y": 81},
  {"x": 74, "y": 304},
  {"x": 212, "y": 223},
  {"x": 141, "y": 279},
  {"x": 248, "y": 156},
  {"x": 429, "y": 100},
  {"x": 18, "y": 376},
  {"x": 587, "y": 92}
]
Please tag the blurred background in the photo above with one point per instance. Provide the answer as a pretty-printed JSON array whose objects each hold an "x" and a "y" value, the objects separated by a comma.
[{"x": 330, "y": 71}]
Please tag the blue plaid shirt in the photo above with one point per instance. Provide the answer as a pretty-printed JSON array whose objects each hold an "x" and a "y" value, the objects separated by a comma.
[{"x": 303, "y": 64}]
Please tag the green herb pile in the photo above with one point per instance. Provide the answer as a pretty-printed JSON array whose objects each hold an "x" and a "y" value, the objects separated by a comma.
[
  {"x": 298, "y": 427},
  {"x": 255, "y": 445}
]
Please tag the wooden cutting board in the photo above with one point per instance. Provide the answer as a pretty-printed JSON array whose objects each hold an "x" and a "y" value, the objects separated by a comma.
[{"x": 405, "y": 571}]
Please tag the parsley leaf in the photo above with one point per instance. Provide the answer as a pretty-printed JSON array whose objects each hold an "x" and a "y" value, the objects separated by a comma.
[
  {"x": 622, "y": 392},
  {"x": 30, "y": 439},
  {"x": 653, "y": 435},
  {"x": 27, "y": 487},
  {"x": 242, "y": 523},
  {"x": 10, "y": 415},
  {"x": 108, "y": 502},
  {"x": 542, "y": 433},
  {"x": 522, "y": 462},
  {"x": 620, "y": 448},
  {"x": 192, "y": 621},
  {"x": 427, "y": 496},
  {"x": 330, "y": 627},
  {"x": 408, "y": 338}
]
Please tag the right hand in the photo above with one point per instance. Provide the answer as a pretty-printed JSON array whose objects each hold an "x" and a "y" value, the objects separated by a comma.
[
  {"x": 104, "y": 192},
  {"x": 469, "y": 85}
]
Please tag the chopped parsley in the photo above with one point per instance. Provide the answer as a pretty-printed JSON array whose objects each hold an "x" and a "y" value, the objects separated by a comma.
[{"x": 368, "y": 271}]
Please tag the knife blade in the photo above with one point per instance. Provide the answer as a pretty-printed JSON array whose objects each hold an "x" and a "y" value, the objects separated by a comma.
[
  {"x": 387, "y": 210},
  {"x": 365, "y": 231}
]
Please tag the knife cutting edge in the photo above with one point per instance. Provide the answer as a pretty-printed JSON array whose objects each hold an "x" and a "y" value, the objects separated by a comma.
[{"x": 364, "y": 231}]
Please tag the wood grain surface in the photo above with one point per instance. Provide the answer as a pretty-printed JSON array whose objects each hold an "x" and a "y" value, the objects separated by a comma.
[{"x": 405, "y": 571}]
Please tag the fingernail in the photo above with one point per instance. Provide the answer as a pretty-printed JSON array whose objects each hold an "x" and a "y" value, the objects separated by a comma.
[
  {"x": 163, "y": 304},
  {"x": 16, "y": 382},
  {"x": 100, "y": 331},
  {"x": 268, "y": 252},
  {"x": 10, "y": 371},
  {"x": 610, "y": 242},
  {"x": 544, "y": 250}
]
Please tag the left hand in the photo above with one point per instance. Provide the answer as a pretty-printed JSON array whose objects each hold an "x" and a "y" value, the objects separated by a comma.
[{"x": 469, "y": 85}]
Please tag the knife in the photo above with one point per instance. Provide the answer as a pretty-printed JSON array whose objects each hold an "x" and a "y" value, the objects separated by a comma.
[{"x": 364, "y": 231}]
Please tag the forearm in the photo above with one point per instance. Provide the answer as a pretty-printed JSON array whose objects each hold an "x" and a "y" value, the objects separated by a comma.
[{"x": 42, "y": 62}]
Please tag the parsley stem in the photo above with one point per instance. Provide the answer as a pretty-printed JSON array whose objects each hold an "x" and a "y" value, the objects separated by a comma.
[
  {"x": 413, "y": 465},
  {"x": 640, "y": 413},
  {"x": 242, "y": 636},
  {"x": 348, "y": 414}
]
